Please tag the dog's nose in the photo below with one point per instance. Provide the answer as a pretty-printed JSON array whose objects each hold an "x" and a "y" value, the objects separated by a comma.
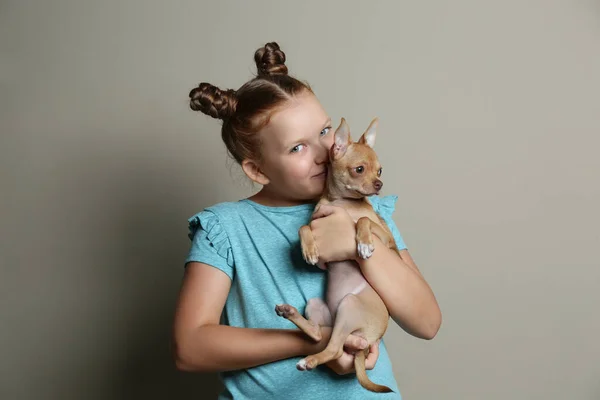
[{"x": 377, "y": 184}]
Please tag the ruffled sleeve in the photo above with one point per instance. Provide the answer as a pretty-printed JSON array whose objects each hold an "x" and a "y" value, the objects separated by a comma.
[
  {"x": 210, "y": 243},
  {"x": 385, "y": 207}
]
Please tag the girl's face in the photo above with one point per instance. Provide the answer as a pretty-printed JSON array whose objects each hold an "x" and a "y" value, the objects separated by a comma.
[{"x": 295, "y": 151}]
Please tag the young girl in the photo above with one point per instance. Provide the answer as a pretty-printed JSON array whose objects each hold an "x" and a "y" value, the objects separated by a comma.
[{"x": 245, "y": 256}]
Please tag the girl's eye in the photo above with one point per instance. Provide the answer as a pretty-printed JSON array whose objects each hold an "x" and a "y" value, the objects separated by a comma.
[
  {"x": 360, "y": 169},
  {"x": 297, "y": 148},
  {"x": 379, "y": 172},
  {"x": 325, "y": 131}
]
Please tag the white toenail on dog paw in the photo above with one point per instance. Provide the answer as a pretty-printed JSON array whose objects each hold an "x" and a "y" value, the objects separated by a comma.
[
  {"x": 301, "y": 364},
  {"x": 365, "y": 250}
]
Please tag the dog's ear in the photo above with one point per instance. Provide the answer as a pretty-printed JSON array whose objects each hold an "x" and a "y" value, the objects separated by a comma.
[
  {"x": 342, "y": 140},
  {"x": 368, "y": 137}
]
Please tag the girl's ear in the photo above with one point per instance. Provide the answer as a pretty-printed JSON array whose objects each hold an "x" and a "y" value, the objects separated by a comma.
[{"x": 252, "y": 171}]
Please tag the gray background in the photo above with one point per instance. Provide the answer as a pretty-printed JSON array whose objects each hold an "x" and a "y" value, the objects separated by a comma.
[{"x": 489, "y": 135}]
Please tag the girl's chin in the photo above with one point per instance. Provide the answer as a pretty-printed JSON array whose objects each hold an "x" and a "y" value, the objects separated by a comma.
[
  {"x": 310, "y": 192},
  {"x": 318, "y": 191},
  {"x": 318, "y": 184}
]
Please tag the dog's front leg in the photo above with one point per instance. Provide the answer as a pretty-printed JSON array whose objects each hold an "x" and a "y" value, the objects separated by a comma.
[
  {"x": 365, "y": 228},
  {"x": 364, "y": 239},
  {"x": 310, "y": 252}
]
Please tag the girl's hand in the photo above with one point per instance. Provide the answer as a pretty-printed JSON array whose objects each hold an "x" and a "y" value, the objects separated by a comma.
[
  {"x": 335, "y": 234},
  {"x": 345, "y": 364}
]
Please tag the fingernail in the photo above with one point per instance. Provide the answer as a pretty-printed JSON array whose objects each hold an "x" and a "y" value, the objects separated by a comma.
[{"x": 363, "y": 343}]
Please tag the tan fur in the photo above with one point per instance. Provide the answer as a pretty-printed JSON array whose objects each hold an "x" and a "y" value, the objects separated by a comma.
[{"x": 354, "y": 306}]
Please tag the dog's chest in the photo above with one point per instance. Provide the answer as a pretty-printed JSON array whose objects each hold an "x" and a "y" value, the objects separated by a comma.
[{"x": 359, "y": 210}]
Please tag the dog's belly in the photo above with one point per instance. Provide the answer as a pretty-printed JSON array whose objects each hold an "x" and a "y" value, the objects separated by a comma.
[{"x": 343, "y": 277}]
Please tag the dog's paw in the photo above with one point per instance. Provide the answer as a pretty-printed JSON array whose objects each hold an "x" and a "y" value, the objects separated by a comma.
[
  {"x": 301, "y": 365},
  {"x": 286, "y": 311},
  {"x": 365, "y": 250},
  {"x": 310, "y": 254},
  {"x": 307, "y": 364}
]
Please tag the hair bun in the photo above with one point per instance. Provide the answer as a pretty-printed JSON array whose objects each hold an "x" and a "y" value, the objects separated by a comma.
[
  {"x": 213, "y": 101},
  {"x": 270, "y": 60}
]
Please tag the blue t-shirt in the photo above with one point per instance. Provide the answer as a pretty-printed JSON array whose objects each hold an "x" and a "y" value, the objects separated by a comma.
[{"x": 258, "y": 247}]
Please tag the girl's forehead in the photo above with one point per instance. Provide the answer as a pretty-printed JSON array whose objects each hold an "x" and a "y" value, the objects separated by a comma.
[{"x": 301, "y": 114}]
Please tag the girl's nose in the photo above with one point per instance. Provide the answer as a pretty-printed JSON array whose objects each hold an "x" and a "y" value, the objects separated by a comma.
[{"x": 322, "y": 155}]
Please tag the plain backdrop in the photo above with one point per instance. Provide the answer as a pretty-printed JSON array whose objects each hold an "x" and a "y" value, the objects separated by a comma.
[{"x": 489, "y": 123}]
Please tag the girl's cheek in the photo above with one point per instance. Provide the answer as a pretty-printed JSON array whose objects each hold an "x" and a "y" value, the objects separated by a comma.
[
  {"x": 298, "y": 171},
  {"x": 289, "y": 170}
]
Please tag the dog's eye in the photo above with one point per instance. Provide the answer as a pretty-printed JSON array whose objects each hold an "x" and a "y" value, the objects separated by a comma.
[
  {"x": 379, "y": 172},
  {"x": 360, "y": 169}
]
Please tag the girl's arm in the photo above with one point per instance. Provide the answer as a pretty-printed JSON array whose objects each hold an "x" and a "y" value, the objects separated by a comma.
[
  {"x": 408, "y": 297},
  {"x": 202, "y": 345}
]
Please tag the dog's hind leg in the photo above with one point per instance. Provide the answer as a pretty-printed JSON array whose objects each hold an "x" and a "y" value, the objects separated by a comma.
[
  {"x": 317, "y": 312},
  {"x": 348, "y": 320}
]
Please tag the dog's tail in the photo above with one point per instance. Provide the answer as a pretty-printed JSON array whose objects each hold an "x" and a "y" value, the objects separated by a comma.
[{"x": 361, "y": 374}]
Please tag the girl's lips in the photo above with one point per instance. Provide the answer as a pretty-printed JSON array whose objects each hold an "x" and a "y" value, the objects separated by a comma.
[{"x": 322, "y": 174}]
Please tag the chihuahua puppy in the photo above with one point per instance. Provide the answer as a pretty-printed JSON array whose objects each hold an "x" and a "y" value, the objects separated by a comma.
[{"x": 352, "y": 305}]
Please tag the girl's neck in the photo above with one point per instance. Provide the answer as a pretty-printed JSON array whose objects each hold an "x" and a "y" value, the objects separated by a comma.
[{"x": 266, "y": 198}]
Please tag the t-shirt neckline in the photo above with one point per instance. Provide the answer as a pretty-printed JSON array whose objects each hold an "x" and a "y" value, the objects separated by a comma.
[{"x": 280, "y": 209}]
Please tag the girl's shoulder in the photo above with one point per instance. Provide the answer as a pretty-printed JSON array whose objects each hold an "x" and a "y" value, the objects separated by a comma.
[
  {"x": 384, "y": 205},
  {"x": 215, "y": 216},
  {"x": 223, "y": 209}
]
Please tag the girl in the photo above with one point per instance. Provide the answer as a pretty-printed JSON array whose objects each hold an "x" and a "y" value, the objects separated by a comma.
[{"x": 245, "y": 256}]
